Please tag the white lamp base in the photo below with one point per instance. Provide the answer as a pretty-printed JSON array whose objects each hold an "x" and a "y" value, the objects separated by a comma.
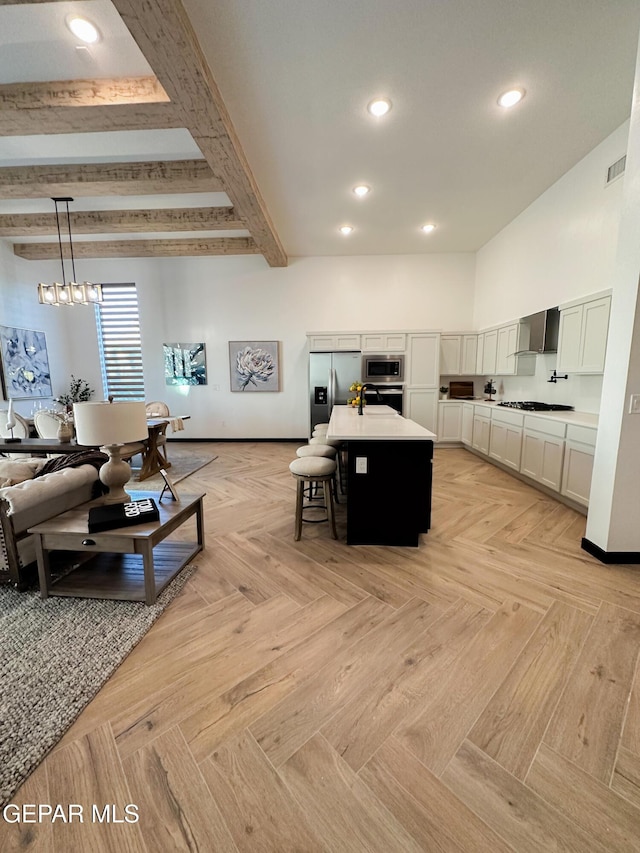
[{"x": 115, "y": 474}]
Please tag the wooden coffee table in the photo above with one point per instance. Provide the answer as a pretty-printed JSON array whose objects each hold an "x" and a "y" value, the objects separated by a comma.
[{"x": 127, "y": 563}]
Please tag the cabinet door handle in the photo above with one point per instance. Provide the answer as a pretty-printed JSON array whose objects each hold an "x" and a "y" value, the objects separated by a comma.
[{"x": 88, "y": 541}]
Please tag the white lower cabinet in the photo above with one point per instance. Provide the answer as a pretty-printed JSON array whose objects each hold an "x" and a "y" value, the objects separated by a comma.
[
  {"x": 449, "y": 421},
  {"x": 542, "y": 457},
  {"x": 578, "y": 463},
  {"x": 467, "y": 423},
  {"x": 481, "y": 430},
  {"x": 422, "y": 407},
  {"x": 505, "y": 443}
]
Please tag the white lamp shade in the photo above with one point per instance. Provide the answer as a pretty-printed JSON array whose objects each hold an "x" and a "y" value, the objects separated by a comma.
[{"x": 100, "y": 424}]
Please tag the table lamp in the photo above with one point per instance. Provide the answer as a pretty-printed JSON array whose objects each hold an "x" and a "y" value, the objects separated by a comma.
[{"x": 110, "y": 425}]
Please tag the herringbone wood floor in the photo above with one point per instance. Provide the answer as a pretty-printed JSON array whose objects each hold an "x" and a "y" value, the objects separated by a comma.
[{"x": 479, "y": 693}]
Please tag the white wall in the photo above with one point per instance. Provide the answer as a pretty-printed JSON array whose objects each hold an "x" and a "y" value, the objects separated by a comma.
[
  {"x": 561, "y": 247},
  {"x": 217, "y": 300}
]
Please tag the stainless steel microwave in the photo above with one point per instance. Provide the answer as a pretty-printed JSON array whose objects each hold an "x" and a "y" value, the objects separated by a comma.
[{"x": 383, "y": 368}]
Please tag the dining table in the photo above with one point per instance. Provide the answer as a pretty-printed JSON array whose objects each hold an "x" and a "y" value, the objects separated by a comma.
[{"x": 154, "y": 456}]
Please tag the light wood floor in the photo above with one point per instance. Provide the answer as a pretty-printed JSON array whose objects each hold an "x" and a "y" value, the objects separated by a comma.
[{"x": 479, "y": 693}]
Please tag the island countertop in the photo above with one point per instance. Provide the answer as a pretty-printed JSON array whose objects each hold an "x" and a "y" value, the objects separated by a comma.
[{"x": 377, "y": 423}]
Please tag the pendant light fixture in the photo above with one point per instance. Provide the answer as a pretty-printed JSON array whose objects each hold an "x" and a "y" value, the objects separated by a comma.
[{"x": 68, "y": 292}]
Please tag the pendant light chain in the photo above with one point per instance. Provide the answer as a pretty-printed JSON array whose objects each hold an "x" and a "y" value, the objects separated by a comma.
[
  {"x": 73, "y": 263},
  {"x": 64, "y": 279}
]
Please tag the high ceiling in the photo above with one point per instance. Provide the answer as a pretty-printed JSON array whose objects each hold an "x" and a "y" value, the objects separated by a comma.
[{"x": 240, "y": 126}]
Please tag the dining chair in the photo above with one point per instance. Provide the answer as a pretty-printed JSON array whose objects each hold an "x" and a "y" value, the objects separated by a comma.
[
  {"x": 20, "y": 430},
  {"x": 46, "y": 423},
  {"x": 157, "y": 408}
]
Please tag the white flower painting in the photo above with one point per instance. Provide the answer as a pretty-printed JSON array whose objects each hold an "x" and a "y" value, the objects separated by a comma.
[{"x": 254, "y": 365}]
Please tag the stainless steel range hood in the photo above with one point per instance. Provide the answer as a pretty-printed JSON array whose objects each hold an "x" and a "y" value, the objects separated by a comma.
[{"x": 543, "y": 334}]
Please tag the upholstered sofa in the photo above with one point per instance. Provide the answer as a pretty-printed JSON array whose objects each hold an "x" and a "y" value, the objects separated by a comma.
[{"x": 30, "y": 502}]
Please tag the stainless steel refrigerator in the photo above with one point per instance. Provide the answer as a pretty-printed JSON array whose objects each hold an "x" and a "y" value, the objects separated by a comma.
[{"x": 330, "y": 374}]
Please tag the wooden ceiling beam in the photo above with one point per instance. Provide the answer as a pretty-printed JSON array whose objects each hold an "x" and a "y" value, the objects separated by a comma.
[
  {"x": 185, "y": 75},
  {"x": 123, "y": 221},
  {"x": 139, "y": 248},
  {"x": 37, "y": 121},
  {"x": 82, "y": 93},
  {"x": 97, "y": 179}
]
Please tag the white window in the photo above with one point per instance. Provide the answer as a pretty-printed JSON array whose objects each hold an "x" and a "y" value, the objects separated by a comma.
[{"x": 118, "y": 323}]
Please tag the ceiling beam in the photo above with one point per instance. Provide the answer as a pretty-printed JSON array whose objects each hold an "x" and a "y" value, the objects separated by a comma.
[
  {"x": 96, "y": 179},
  {"x": 37, "y": 121},
  {"x": 82, "y": 93},
  {"x": 139, "y": 248},
  {"x": 185, "y": 75},
  {"x": 123, "y": 221}
]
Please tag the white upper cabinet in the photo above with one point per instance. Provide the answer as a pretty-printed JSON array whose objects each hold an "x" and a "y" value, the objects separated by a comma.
[
  {"x": 333, "y": 341},
  {"x": 458, "y": 355},
  {"x": 582, "y": 337},
  {"x": 423, "y": 356},
  {"x": 512, "y": 339},
  {"x": 490, "y": 352},
  {"x": 480, "y": 355},
  {"x": 450, "y": 354},
  {"x": 469, "y": 355},
  {"x": 383, "y": 341}
]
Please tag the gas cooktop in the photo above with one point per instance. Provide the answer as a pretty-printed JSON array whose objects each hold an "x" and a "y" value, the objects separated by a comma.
[{"x": 531, "y": 406}]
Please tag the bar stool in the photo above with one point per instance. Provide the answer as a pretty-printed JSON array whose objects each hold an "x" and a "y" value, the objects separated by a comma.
[
  {"x": 310, "y": 471},
  {"x": 327, "y": 451}
]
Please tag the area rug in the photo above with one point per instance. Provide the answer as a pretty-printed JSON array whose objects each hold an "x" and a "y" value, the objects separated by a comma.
[
  {"x": 55, "y": 655},
  {"x": 183, "y": 463}
]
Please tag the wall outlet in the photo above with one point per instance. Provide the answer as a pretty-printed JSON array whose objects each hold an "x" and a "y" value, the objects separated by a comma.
[{"x": 361, "y": 464}]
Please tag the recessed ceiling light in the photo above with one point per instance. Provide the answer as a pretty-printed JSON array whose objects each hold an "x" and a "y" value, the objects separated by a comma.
[
  {"x": 83, "y": 29},
  {"x": 362, "y": 190},
  {"x": 346, "y": 229},
  {"x": 428, "y": 228},
  {"x": 379, "y": 107},
  {"x": 511, "y": 98}
]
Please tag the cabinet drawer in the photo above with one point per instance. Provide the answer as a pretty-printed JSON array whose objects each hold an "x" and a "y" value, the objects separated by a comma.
[
  {"x": 557, "y": 428},
  {"x": 586, "y": 435},
  {"x": 506, "y": 417},
  {"x": 74, "y": 542},
  {"x": 482, "y": 412}
]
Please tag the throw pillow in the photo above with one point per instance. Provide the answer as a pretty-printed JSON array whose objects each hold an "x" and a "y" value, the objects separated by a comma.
[{"x": 13, "y": 472}]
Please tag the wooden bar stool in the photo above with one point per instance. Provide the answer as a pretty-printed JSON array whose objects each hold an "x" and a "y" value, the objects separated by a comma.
[{"x": 309, "y": 471}]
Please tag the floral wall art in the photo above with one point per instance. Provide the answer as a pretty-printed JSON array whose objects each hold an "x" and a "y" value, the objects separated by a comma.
[
  {"x": 254, "y": 365},
  {"x": 25, "y": 364}
]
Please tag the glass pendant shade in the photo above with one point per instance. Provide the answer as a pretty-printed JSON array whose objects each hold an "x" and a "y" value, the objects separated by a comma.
[{"x": 68, "y": 293}]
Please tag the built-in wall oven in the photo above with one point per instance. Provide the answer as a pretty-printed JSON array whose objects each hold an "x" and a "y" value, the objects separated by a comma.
[
  {"x": 385, "y": 395},
  {"x": 383, "y": 368}
]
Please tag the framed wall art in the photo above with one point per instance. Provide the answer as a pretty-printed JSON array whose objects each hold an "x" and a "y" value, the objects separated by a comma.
[
  {"x": 25, "y": 364},
  {"x": 184, "y": 364},
  {"x": 254, "y": 365}
]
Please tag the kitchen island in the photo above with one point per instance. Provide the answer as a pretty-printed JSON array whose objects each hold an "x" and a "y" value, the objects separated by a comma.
[{"x": 389, "y": 465}]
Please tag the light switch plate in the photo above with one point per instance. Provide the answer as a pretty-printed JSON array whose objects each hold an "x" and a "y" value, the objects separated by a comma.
[
  {"x": 361, "y": 464},
  {"x": 634, "y": 404}
]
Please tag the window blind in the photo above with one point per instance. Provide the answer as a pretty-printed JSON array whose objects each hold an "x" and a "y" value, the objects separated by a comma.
[{"x": 118, "y": 323}]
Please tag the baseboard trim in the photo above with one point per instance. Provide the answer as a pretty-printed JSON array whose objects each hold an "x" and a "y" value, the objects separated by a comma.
[
  {"x": 244, "y": 440},
  {"x": 630, "y": 558}
]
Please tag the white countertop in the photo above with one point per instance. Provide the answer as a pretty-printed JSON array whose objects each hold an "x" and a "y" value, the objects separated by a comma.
[
  {"x": 378, "y": 423},
  {"x": 586, "y": 419}
]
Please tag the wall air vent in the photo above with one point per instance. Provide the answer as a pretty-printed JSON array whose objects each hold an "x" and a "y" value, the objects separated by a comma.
[{"x": 616, "y": 169}]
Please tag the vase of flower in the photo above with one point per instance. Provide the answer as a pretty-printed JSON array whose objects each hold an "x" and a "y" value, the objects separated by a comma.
[{"x": 444, "y": 392}]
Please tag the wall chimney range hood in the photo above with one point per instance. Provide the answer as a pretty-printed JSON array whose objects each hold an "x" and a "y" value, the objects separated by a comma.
[{"x": 543, "y": 331}]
